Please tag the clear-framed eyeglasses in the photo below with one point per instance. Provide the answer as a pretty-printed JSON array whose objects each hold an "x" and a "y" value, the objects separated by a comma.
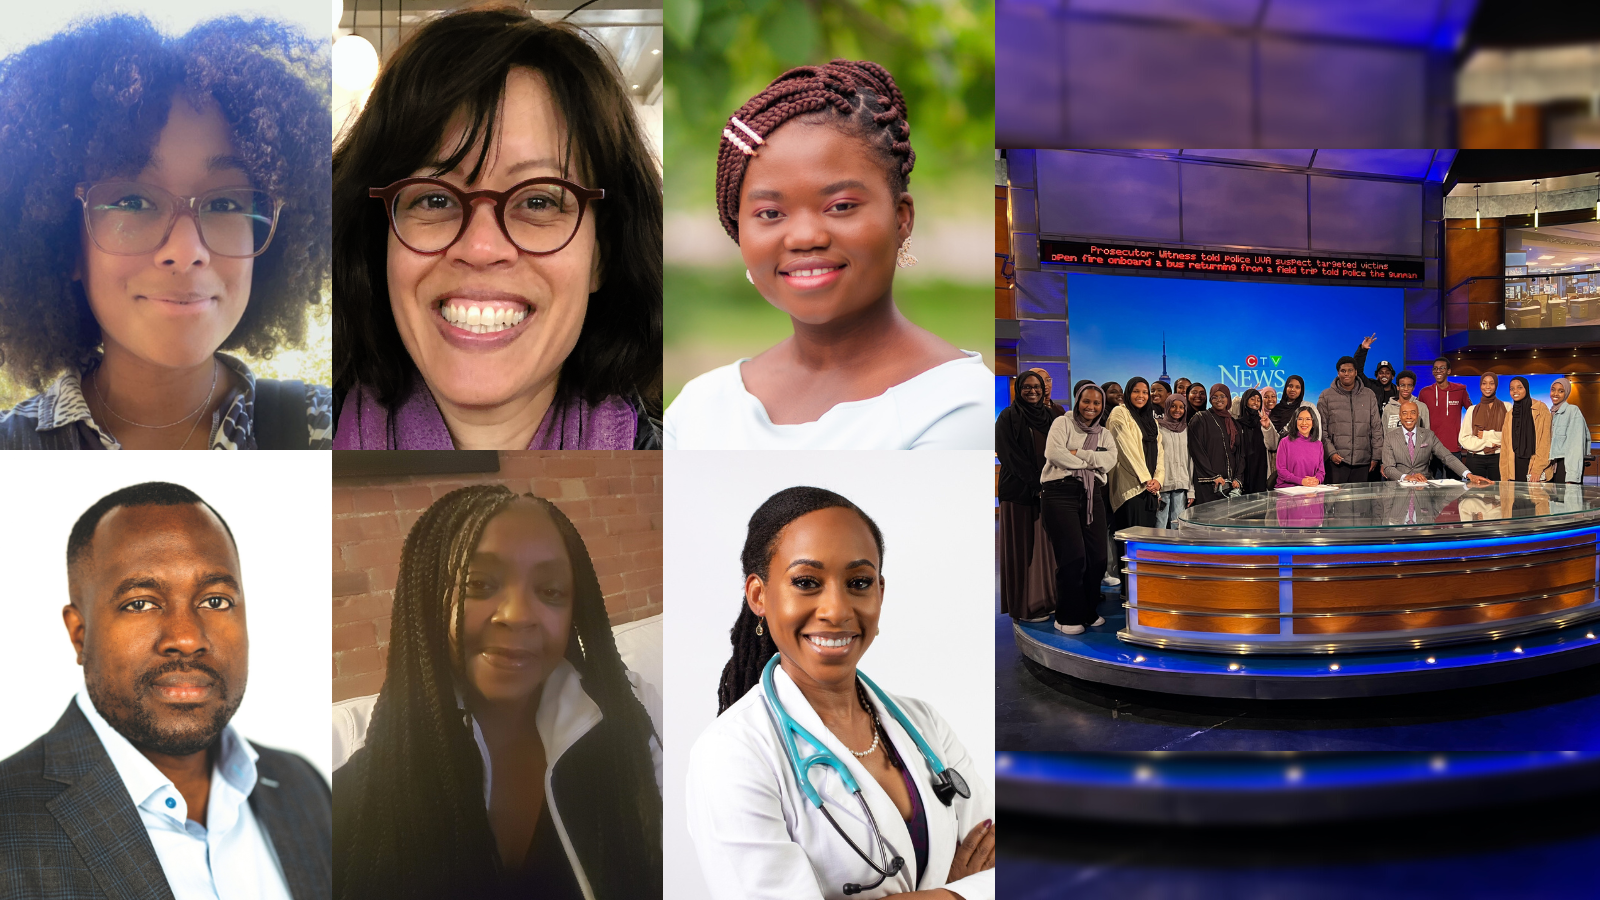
[
  {"x": 131, "y": 218},
  {"x": 539, "y": 216}
]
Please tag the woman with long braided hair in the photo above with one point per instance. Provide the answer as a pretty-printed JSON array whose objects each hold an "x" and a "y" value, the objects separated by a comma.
[
  {"x": 509, "y": 753},
  {"x": 811, "y": 184},
  {"x": 915, "y": 827}
]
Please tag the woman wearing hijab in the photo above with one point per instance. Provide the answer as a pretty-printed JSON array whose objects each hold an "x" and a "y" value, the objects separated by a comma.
[
  {"x": 1569, "y": 434},
  {"x": 1214, "y": 447},
  {"x": 1177, "y": 470},
  {"x": 1526, "y": 452},
  {"x": 1257, "y": 440},
  {"x": 1019, "y": 438},
  {"x": 1072, "y": 502},
  {"x": 1197, "y": 400},
  {"x": 1181, "y": 388},
  {"x": 1135, "y": 493},
  {"x": 1294, "y": 397},
  {"x": 1481, "y": 431}
]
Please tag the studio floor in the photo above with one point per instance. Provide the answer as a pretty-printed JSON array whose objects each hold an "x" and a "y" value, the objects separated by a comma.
[
  {"x": 1039, "y": 709},
  {"x": 1505, "y": 853}
]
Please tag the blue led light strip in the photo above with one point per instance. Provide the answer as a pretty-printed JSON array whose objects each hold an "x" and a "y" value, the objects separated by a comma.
[{"x": 1335, "y": 550}]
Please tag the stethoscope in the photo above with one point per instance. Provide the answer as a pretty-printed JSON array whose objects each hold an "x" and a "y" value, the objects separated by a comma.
[{"x": 947, "y": 783}]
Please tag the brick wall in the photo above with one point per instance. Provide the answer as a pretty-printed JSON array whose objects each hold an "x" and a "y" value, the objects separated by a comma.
[{"x": 614, "y": 499}]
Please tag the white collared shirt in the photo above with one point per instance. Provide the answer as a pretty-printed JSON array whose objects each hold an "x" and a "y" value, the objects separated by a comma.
[{"x": 228, "y": 858}]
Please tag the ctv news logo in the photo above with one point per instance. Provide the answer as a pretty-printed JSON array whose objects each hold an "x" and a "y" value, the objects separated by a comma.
[{"x": 1257, "y": 372}]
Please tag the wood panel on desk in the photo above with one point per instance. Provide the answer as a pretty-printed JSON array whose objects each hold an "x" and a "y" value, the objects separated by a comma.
[
  {"x": 1440, "y": 618},
  {"x": 1437, "y": 590},
  {"x": 1211, "y": 624},
  {"x": 1205, "y": 596}
]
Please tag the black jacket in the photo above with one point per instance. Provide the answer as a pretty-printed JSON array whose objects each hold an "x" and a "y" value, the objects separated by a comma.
[
  {"x": 1021, "y": 460},
  {"x": 1385, "y": 392}
]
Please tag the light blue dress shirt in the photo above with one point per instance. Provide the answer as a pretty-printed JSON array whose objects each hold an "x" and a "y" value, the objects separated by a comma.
[
  {"x": 1569, "y": 440},
  {"x": 228, "y": 858}
]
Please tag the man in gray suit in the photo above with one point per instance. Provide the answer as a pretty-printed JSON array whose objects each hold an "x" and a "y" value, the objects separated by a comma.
[
  {"x": 1408, "y": 449},
  {"x": 142, "y": 789}
]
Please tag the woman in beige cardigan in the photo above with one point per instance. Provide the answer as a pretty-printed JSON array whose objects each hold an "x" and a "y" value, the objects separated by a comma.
[
  {"x": 1525, "y": 451},
  {"x": 1136, "y": 480}
]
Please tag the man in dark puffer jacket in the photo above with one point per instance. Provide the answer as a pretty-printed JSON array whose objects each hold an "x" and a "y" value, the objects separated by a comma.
[{"x": 1352, "y": 429}]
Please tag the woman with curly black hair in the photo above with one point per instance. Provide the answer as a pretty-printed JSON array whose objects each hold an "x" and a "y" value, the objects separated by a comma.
[
  {"x": 497, "y": 247},
  {"x": 162, "y": 199},
  {"x": 510, "y": 753}
]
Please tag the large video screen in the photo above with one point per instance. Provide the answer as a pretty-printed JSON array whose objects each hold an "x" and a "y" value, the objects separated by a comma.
[{"x": 1241, "y": 334}]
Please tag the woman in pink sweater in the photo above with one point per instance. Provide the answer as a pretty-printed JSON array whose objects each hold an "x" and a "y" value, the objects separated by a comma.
[{"x": 1300, "y": 456}]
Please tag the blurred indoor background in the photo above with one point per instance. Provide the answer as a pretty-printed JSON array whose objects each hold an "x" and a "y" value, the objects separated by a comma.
[{"x": 721, "y": 52}]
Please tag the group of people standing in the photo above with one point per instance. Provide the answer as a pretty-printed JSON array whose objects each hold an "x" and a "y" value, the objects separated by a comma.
[{"x": 1138, "y": 454}]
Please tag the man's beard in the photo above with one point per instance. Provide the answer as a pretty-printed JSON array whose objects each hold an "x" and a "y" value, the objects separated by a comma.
[{"x": 132, "y": 719}]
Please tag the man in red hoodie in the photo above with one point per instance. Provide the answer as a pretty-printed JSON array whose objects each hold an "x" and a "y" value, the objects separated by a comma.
[{"x": 1445, "y": 400}]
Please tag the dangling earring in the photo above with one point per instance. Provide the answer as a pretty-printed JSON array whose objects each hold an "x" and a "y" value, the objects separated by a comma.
[
  {"x": 747, "y": 277},
  {"x": 760, "y": 623},
  {"x": 903, "y": 257}
]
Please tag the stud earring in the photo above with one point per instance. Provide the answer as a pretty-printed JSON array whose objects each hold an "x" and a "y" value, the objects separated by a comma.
[
  {"x": 759, "y": 625},
  {"x": 903, "y": 257},
  {"x": 747, "y": 277}
]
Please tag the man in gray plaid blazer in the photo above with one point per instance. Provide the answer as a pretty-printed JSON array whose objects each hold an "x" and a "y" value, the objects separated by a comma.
[{"x": 142, "y": 789}]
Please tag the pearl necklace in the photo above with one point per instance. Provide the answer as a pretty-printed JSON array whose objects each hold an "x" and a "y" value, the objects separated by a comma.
[{"x": 861, "y": 697}]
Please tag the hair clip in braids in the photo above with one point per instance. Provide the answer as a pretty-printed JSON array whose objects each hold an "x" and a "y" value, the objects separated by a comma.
[{"x": 734, "y": 139}]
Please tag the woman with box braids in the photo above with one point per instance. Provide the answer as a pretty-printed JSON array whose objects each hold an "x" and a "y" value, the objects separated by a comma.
[
  {"x": 868, "y": 105},
  {"x": 410, "y": 817},
  {"x": 811, "y": 184}
]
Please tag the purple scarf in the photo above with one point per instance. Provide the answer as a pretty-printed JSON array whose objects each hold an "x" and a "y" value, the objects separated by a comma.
[{"x": 419, "y": 425}]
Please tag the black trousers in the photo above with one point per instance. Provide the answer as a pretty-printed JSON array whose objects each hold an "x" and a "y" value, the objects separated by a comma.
[
  {"x": 1137, "y": 511},
  {"x": 1345, "y": 473},
  {"x": 1560, "y": 475},
  {"x": 1080, "y": 546},
  {"x": 1483, "y": 465}
]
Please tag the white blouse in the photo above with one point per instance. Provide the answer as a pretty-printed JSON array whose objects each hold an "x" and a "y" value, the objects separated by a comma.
[{"x": 948, "y": 407}]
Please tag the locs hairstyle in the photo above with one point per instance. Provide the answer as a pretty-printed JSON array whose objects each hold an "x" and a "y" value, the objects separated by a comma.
[
  {"x": 859, "y": 98},
  {"x": 456, "y": 66},
  {"x": 90, "y": 103},
  {"x": 750, "y": 650},
  {"x": 419, "y": 827}
]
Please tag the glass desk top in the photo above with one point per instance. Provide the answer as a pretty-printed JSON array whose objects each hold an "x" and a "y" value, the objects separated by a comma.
[{"x": 1391, "y": 505}]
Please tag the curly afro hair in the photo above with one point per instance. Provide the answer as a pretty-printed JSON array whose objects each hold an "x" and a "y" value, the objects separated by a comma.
[{"x": 89, "y": 104}]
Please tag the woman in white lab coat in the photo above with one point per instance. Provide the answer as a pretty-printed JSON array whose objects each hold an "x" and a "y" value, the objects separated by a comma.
[{"x": 813, "y": 593}]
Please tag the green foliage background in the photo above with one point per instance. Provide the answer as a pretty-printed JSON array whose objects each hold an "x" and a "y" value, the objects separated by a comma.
[
  {"x": 721, "y": 52},
  {"x": 312, "y": 364}
]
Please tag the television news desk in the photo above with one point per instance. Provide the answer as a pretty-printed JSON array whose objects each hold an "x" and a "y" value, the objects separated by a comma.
[{"x": 1368, "y": 589}]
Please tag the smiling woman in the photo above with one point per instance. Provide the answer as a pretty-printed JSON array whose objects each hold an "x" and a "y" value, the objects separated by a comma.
[
  {"x": 497, "y": 247},
  {"x": 896, "y": 814},
  {"x": 811, "y": 184},
  {"x": 161, "y": 199}
]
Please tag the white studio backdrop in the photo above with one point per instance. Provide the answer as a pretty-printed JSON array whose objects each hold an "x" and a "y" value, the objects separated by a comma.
[
  {"x": 936, "y": 511},
  {"x": 29, "y": 23},
  {"x": 277, "y": 503}
]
